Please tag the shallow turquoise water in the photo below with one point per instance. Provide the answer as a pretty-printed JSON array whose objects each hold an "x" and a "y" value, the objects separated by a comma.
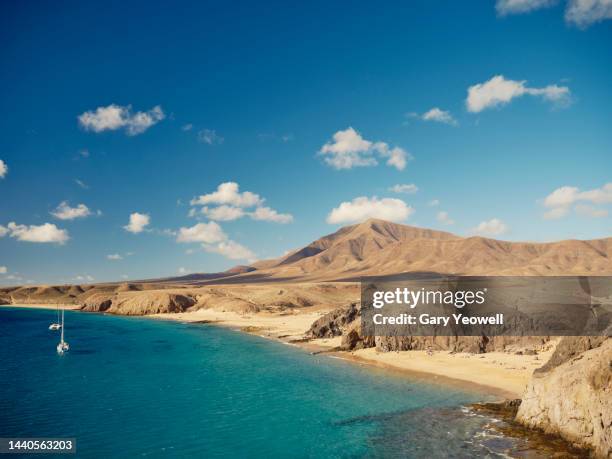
[{"x": 136, "y": 387}]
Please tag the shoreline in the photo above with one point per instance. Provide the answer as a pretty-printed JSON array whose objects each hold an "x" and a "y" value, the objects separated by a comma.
[
  {"x": 64, "y": 306},
  {"x": 498, "y": 374}
]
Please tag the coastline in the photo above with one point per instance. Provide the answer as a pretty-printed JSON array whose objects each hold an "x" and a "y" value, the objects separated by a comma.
[
  {"x": 500, "y": 374},
  {"x": 65, "y": 306}
]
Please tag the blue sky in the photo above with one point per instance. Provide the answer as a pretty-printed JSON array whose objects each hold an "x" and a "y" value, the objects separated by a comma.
[{"x": 318, "y": 110}]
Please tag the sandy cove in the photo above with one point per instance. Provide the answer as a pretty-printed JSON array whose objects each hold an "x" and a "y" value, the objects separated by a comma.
[{"x": 500, "y": 373}]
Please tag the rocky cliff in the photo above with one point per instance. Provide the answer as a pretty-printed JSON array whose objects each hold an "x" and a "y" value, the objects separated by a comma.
[{"x": 572, "y": 394}]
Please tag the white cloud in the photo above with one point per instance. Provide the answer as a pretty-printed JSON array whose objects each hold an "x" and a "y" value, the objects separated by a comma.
[
  {"x": 46, "y": 233},
  {"x": 505, "y": 7},
  {"x": 270, "y": 215},
  {"x": 210, "y": 137},
  {"x": 499, "y": 91},
  {"x": 65, "y": 212},
  {"x": 349, "y": 149},
  {"x": 231, "y": 205},
  {"x": 115, "y": 117},
  {"x": 229, "y": 193},
  {"x": 3, "y": 169},
  {"x": 214, "y": 240},
  {"x": 3, "y": 270},
  {"x": 493, "y": 227},
  {"x": 85, "y": 277},
  {"x": 590, "y": 211},
  {"x": 3, "y": 231},
  {"x": 362, "y": 208},
  {"x": 138, "y": 223},
  {"x": 410, "y": 188},
  {"x": 231, "y": 250},
  {"x": 561, "y": 199},
  {"x": 84, "y": 153},
  {"x": 208, "y": 233},
  {"x": 81, "y": 184},
  {"x": 187, "y": 127},
  {"x": 223, "y": 213},
  {"x": 440, "y": 116},
  {"x": 584, "y": 13},
  {"x": 444, "y": 218},
  {"x": 557, "y": 212},
  {"x": 182, "y": 270},
  {"x": 433, "y": 203},
  {"x": 114, "y": 256}
]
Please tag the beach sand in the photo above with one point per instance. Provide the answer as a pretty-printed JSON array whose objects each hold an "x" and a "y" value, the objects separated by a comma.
[{"x": 505, "y": 374}]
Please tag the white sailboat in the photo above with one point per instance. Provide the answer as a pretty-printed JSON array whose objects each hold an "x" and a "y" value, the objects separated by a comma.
[
  {"x": 56, "y": 325},
  {"x": 63, "y": 345}
]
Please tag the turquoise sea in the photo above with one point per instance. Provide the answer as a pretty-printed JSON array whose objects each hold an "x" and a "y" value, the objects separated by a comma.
[{"x": 134, "y": 387}]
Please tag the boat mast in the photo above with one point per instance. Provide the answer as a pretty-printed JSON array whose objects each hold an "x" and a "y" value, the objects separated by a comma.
[{"x": 62, "y": 338}]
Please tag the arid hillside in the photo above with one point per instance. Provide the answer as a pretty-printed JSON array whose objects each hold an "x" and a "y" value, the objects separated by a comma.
[{"x": 378, "y": 247}]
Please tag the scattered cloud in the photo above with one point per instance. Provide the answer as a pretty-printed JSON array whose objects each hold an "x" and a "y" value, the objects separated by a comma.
[
  {"x": 587, "y": 210},
  {"x": 210, "y": 137},
  {"x": 223, "y": 213},
  {"x": 349, "y": 149},
  {"x": 232, "y": 250},
  {"x": 444, "y": 218},
  {"x": 214, "y": 240},
  {"x": 362, "y": 208},
  {"x": 84, "y": 277},
  {"x": 3, "y": 231},
  {"x": 114, "y": 256},
  {"x": 433, "y": 203},
  {"x": 439, "y": 116},
  {"x": 562, "y": 199},
  {"x": 138, "y": 223},
  {"x": 409, "y": 188},
  {"x": 182, "y": 270},
  {"x": 81, "y": 183},
  {"x": 84, "y": 153},
  {"x": 3, "y": 169},
  {"x": 65, "y": 212},
  {"x": 114, "y": 117},
  {"x": 45, "y": 233},
  {"x": 506, "y": 7},
  {"x": 208, "y": 233},
  {"x": 270, "y": 215},
  {"x": 231, "y": 204},
  {"x": 499, "y": 91},
  {"x": 187, "y": 127},
  {"x": 580, "y": 13},
  {"x": 584, "y": 13},
  {"x": 229, "y": 193},
  {"x": 3, "y": 270},
  {"x": 493, "y": 227}
]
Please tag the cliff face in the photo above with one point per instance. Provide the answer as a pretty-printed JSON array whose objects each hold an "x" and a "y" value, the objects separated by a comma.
[{"x": 572, "y": 395}]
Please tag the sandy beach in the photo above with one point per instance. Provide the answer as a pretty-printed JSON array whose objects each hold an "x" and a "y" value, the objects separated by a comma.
[{"x": 503, "y": 374}]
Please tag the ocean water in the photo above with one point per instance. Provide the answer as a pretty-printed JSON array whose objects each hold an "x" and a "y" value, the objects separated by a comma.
[{"x": 134, "y": 387}]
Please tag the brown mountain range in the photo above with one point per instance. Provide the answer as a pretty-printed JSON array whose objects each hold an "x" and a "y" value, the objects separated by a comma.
[{"x": 378, "y": 247}]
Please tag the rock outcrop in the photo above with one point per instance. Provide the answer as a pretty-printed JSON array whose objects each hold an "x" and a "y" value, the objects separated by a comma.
[
  {"x": 140, "y": 303},
  {"x": 571, "y": 395},
  {"x": 333, "y": 323}
]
